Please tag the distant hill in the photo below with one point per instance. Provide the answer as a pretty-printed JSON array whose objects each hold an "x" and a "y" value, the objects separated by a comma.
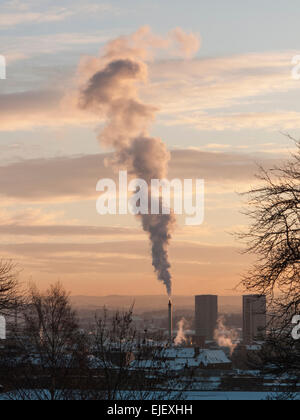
[{"x": 227, "y": 304}]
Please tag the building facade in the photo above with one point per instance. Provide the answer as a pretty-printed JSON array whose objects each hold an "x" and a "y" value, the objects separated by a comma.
[
  {"x": 254, "y": 318},
  {"x": 206, "y": 316}
]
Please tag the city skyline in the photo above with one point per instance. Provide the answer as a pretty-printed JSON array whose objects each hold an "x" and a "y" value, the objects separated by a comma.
[{"x": 220, "y": 113}]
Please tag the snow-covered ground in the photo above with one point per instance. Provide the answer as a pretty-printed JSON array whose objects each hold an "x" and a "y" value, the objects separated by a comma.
[
  {"x": 228, "y": 396},
  {"x": 190, "y": 396}
]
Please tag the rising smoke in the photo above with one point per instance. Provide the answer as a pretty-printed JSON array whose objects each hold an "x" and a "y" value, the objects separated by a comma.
[
  {"x": 111, "y": 90},
  {"x": 181, "y": 338},
  {"x": 225, "y": 336}
]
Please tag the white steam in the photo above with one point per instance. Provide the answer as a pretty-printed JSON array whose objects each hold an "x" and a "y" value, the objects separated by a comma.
[
  {"x": 225, "y": 336},
  {"x": 181, "y": 338}
]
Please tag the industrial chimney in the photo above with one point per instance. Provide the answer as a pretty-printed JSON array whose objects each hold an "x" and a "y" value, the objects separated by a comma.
[{"x": 170, "y": 321}]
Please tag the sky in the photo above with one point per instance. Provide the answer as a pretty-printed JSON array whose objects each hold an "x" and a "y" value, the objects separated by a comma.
[{"x": 221, "y": 112}]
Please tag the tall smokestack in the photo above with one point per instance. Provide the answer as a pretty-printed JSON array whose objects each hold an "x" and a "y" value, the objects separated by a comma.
[{"x": 170, "y": 321}]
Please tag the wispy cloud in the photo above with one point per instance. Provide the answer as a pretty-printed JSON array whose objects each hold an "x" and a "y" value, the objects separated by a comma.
[
  {"x": 194, "y": 93},
  {"x": 211, "y": 83},
  {"x": 279, "y": 120},
  {"x": 32, "y": 109},
  {"x": 13, "y": 19},
  {"x": 31, "y": 216},
  {"x": 14, "y": 13},
  {"x": 75, "y": 178},
  {"x": 197, "y": 92},
  {"x": 18, "y": 49}
]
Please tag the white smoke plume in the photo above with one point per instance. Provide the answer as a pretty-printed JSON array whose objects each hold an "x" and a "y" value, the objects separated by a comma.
[
  {"x": 180, "y": 338},
  {"x": 111, "y": 90},
  {"x": 225, "y": 336}
]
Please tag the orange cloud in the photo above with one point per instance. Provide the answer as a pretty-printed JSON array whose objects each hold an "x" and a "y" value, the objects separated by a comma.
[
  {"x": 75, "y": 178},
  {"x": 197, "y": 268}
]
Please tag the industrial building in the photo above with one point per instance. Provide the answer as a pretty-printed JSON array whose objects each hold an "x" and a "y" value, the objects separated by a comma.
[
  {"x": 254, "y": 318},
  {"x": 206, "y": 316}
]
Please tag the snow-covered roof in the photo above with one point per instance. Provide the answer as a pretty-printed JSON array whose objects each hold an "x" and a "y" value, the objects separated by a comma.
[
  {"x": 147, "y": 364},
  {"x": 205, "y": 357},
  {"x": 212, "y": 357},
  {"x": 179, "y": 352},
  {"x": 176, "y": 359}
]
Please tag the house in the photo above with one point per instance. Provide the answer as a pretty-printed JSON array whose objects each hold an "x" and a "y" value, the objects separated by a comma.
[{"x": 180, "y": 358}]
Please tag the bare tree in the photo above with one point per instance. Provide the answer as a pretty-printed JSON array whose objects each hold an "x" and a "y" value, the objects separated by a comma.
[
  {"x": 49, "y": 348},
  {"x": 9, "y": 287},
  {"x": 274, "y": 236},
  {"x": 55, "y": 360}
]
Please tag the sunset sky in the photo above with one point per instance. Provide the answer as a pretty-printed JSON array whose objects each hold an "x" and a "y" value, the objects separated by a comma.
[{"x": 221, "y": 112}]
